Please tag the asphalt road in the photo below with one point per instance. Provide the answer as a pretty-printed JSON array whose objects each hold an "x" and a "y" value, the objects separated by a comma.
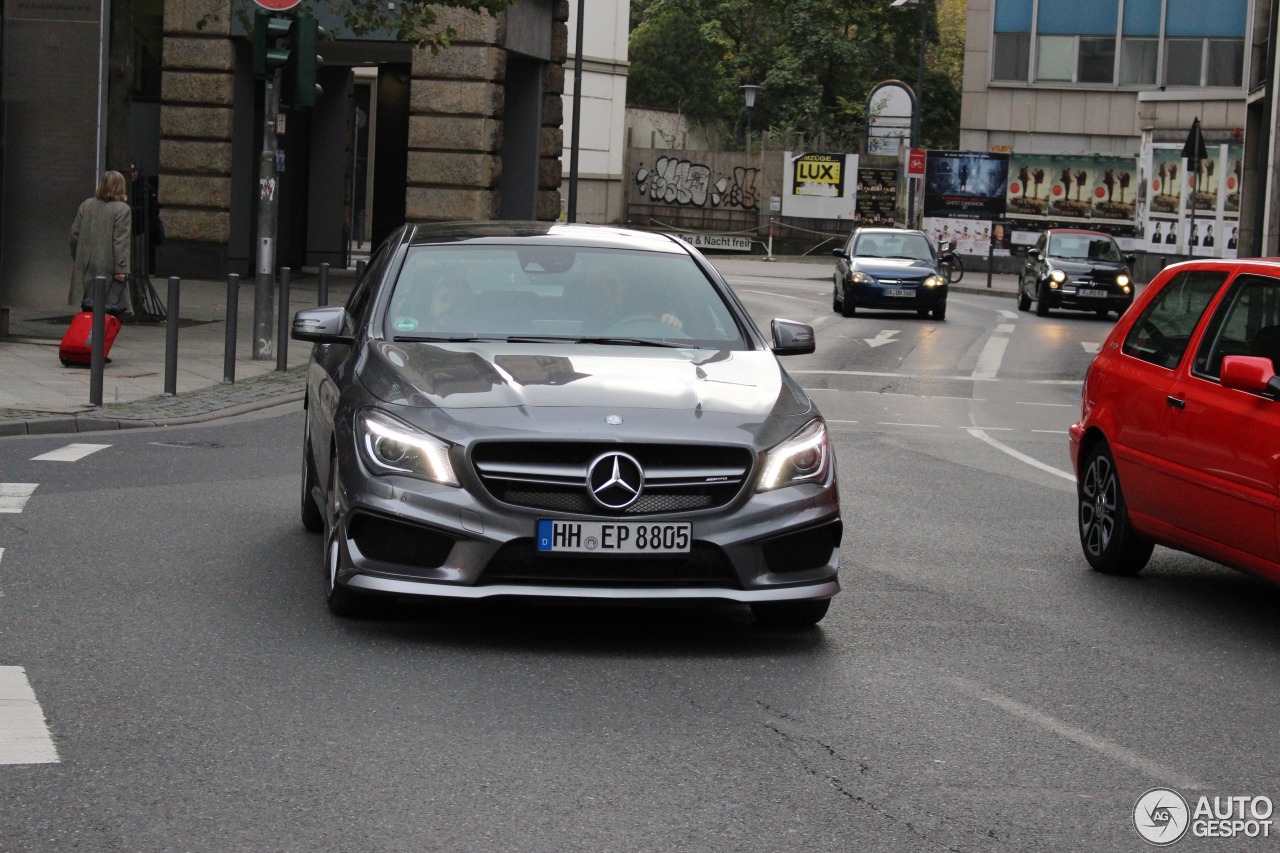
[{"x": 974, "y": 687}]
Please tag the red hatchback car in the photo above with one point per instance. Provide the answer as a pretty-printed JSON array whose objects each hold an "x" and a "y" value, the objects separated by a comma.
[{"x": 1178, "y": 442}]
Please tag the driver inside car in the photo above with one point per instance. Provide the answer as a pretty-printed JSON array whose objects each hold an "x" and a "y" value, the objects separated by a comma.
[{"x": 617, "y": 302}]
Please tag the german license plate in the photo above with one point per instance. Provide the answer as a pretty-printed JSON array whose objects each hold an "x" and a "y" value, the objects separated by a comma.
[
  {"x": 613, "y": 537},
  {"x": 1092, "y": 291},
  {"x": 893, "y": 291}
]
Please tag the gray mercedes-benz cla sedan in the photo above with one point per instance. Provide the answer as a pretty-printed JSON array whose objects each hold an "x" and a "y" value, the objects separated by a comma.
[{"x": 533, "y": 409}]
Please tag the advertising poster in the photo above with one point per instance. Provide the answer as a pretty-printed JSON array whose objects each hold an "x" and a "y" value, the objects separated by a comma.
[
  {"x": 965, "y": 185},
  {"x": 819, "y": 186},
  {"x": 877, "y": 197},
  {"x": 967, "y": 236},
  {"x": 1073, "y": 189},
  {"x": 1168, "y": 227}
]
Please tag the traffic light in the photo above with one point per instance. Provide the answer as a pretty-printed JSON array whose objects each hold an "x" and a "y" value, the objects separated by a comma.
[
  {"x": 300, "y": 73},
  {"x": 267, "y": 55}
]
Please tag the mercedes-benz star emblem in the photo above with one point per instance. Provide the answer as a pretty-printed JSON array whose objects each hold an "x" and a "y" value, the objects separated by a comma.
[{"x": 614, "y": 480}]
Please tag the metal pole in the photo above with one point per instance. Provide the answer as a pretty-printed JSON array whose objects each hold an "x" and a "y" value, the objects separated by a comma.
[
  {"x": 282, "y": 345},
  {"x": 229, "y": 344},
  {"x": 324, "y": 286},
  {"x": 574, "y": 135},
  {"x": 97, "y": 336},
  {"x": 915, "y": 113},
  {"x": 171, "y": 339},
  {"x": 268, "y": 208}
]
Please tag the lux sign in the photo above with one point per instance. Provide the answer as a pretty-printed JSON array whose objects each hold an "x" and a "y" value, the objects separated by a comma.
[{"x": 822, "y": 173}]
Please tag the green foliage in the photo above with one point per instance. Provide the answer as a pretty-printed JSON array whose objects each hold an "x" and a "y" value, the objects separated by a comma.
[
  {"x": 408, "y": 20},
  {"x": 816, "y": 61}
]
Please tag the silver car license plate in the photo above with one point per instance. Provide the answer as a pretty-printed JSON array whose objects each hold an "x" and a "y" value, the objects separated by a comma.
[
  {"x": 1091, "y": 291},
  {"x": 613, "y": 537},
  {"x": 893, "y": 291}
]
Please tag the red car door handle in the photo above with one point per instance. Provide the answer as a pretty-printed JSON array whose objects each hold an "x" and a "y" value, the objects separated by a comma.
[{"x": 1174, "y": 401}]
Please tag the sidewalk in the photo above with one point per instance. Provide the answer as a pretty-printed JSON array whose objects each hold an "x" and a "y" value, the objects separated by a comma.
[{"x": 40, "y": 396}]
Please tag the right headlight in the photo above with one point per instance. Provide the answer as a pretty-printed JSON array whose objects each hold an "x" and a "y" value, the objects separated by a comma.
[
  {"x": 391, "y": 446},
  {"x": 805, "y": 457},
  {"x": 1057, "y": 276},
  {"x": 861, "y": 278}
]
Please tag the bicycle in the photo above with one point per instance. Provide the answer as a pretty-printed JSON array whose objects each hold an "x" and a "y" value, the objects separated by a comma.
[{"x": 952, "y": 267}]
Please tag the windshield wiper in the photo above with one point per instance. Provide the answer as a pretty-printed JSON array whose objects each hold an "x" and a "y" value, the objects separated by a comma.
[
  {"x": 634, "y": 342},
  {"x": 462, "y": 337}
]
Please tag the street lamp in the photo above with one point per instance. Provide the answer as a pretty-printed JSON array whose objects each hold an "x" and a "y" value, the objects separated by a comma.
[{"x": 749, "y": 96}]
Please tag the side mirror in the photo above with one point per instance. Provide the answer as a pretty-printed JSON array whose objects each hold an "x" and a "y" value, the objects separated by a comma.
[
  {"x": 792, "y": 338},
  {"x": 838, "y": 252},
  {"x": 1033, "y": 253},
  {"x": 1130, "y": 259},
  {"x": 321, "y": 326},
  {"x": 1249, "y": 373}
]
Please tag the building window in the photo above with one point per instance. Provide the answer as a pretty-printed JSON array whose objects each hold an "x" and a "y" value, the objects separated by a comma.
[
  {"x": 1012, "y": 57},
  {"x": 1097, "y": 60},
  {"x": 1055, "y": 58},
  {"x": 1225, "y": 66},
  {"x": 1138, "y": 61},
  {"x": 1182, "y": 61}
]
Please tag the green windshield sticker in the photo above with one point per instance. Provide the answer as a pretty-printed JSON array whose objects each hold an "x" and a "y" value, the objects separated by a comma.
[{"x": 406, "y": 324}]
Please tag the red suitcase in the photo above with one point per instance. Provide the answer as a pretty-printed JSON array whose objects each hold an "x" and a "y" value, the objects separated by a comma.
[{"x": 77, "y": 343}]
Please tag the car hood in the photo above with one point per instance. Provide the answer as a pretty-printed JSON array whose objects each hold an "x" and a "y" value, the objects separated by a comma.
[
  {"x": 1076, "y": 267},
  {"x": 895, "y": 267},
  {"x": 534, "y": 376}
]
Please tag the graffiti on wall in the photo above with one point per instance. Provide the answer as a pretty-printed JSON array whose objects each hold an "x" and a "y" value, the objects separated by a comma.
[{"x": 673, "y": 181}]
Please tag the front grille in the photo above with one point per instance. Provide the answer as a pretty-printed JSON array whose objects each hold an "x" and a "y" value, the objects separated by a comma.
[
  {"x": 552, "y": 476},
  {"x": 518, "y": 562},
  {"x": 389, "y": 541},
  {"x": 803, "y": 549}
]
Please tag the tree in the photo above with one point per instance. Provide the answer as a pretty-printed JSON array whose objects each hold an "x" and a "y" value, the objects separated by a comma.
[{"x": 816, "y": 61}]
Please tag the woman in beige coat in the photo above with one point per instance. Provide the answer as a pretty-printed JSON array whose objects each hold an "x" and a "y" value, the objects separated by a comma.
[{"x": 100, "y": 237}]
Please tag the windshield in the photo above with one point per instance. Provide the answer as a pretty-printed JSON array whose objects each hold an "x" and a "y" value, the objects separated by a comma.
[
  {"x": 914, "y": 247},
  {"x": 1083, "y": 247},
  {"x": 558, "y": 293}
]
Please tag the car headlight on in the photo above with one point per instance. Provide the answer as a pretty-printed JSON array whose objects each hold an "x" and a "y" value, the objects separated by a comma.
[
  {"x": 803, "y": 458},
  {"x": 1123, "y": 281},
  {"x": 934, "y": 281},
  {"x": 1057, "y": 276},
  {"x": 390, "y": 446},
  {"x": 861, "y": 278}
]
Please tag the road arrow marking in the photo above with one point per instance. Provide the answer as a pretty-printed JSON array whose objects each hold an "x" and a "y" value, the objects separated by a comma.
[
  {"x": 1091, "y": 348},
  {"x": 884, "y": 336}
]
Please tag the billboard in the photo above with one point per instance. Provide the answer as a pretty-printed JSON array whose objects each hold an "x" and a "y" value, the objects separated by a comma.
[
  {"x": 1167, "y": 225},
  {"x": 1070, "y": 189},
  {"x": 819, "y": 186},
  {"x": 965, "y": 185},
  {"x": 877, "y": 197}
]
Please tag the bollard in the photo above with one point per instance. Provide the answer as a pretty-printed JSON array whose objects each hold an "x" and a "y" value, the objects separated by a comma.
[
  {"x": 282, "y": 330},
  {"x": 229, "y": 346},
  {"x": 97, "y": 336},
  {"x": 171, "y": 339},
  {"x": 324, "y": 285}
]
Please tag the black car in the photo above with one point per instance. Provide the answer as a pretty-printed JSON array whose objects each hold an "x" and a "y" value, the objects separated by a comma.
[
  {"x": 889, "y": 268},
  {"x": 1078, "y": 269},
  {"x": 566, "y": 411}
]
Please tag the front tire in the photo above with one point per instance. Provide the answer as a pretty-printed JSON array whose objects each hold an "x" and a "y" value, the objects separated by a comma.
[
  {"x": 312, "y": 517},
  {"x": 940, "y": 311},
  {"x": 847, "y": 308},
  {"x": 1042, "y": 304},
  {"x": 341, "y": 600},
  {"x": 790, "y": 614},
  {"x": 1024, "y": 301},
  {"x": 1110, "y": 543}
]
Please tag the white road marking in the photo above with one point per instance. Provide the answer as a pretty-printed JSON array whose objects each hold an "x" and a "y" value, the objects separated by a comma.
[
  {"x": 1021, "y": 457},
  {"x": 895, "y": 423},
  {"x": 884, "y": 336},
  {"x": 1007, "y": 315},
  {"x": 1051, "y": 431},
  {"x": 991, "y": 429},
  {"x": 24, "y": 735},
  {"x": 989, "y": 359},
  {"x": 897, "y": 394},
  {"x": 1, "y": 560},
  {"x": 1091, "y": 347},
  {"x": 834, "y": 421},
  {"x": 1106, "y": 748},
  {"x": 1006, "y": 328},
  {"x": 778, "y": 295},
  {"x": 1058, "y": 405},
  {"x": 13, "y": 496},
  {"x": 876, "y": 373},
  {"x": 70, "y": 453}
]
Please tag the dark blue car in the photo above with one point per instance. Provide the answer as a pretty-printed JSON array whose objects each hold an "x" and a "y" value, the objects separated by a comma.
[{"x": 889, "y": 268}]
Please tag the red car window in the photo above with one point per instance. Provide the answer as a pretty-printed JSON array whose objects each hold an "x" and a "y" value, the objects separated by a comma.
[
  {"x": 1163, "y": 331},
  {"x": 1246, "y": 323}
]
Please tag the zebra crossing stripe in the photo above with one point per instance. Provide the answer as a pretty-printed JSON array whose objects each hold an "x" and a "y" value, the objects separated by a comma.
[
  {"x": 70, "y": 453},
  {"x": 24, "y": 736},
  {"x": 13, "y": 496}
]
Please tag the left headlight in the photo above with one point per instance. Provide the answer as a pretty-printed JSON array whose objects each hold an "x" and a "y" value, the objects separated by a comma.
[
  {"x": 390, "y": 446},
  {"x": 1122, "y": 279},
  {"x": 805, "y": 457},
  {"x": 1057, "y": 276},
  {"x": 934, "y": 281}
]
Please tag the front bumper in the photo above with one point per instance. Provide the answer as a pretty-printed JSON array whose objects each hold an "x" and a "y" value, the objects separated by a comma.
[
  {"x": 890, "y": 295},
  {"x": 402, "y": 536},
  {"x": 1068, "y": 295}
]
